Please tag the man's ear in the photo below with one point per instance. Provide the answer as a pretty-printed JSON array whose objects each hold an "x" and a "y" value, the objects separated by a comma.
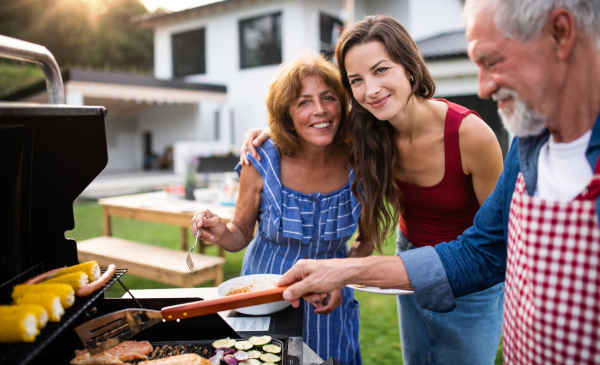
[{"x": 561, "y": 27}]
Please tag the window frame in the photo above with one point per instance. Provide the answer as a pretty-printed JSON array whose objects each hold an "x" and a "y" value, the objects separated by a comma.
[
  {"x": 244, "y": 62},
  {"x": 175, "y": 57}
]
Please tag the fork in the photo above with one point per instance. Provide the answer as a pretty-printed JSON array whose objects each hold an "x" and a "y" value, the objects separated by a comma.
[{"x": 188, "y": 259}]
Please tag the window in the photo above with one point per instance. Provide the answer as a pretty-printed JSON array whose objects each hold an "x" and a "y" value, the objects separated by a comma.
[
  {"x": 260, "y": 41},
  {"x": 330, "y": 29},
  {"x": 189, "y": 53}
]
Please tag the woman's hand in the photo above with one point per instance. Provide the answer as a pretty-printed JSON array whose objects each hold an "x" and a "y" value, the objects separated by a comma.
[
  {"x": 327, "y": 303},
  {"x": 208, "y": 226},
  {"x": 254, "y": 137}
]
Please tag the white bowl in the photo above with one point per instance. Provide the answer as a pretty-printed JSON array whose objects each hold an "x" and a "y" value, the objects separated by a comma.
[{"x": 258, "y": 282}]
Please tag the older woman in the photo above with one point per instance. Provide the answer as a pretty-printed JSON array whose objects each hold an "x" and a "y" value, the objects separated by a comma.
[{"x": 299, "y": 193}]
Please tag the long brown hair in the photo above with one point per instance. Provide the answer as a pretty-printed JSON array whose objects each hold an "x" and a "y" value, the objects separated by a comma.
[
  {"x": 286, "y": 88},
  {"x": 373, "y": 152}
]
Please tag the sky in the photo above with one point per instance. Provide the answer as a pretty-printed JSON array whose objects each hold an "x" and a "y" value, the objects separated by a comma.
[{"x": 174, "y": 5}]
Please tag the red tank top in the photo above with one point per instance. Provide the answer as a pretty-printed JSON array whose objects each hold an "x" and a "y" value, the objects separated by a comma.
[{"x": 440, "y": 213}]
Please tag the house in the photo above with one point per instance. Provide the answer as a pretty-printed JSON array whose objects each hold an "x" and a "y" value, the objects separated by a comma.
[{"x": 213, "y": 64}]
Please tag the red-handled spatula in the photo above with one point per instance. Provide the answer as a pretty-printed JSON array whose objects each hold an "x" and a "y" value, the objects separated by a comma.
[{"x": 109, "y": 330}]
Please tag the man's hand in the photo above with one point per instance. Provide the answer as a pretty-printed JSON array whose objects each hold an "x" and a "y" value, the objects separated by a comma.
[
  {"x": 328, "y": 302},
  {"x": 315, "y": 276}
]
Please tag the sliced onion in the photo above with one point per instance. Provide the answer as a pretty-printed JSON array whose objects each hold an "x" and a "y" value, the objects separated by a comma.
[
  {"x": 216, "y": 359},
  {"x": 226, "y": 350},
  {"x": 230, "y": 360},
  {"x": 241, "y": 355}
]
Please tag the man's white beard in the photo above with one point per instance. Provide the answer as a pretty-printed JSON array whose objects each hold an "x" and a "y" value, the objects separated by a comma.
[{"x": 521, "y": 121}]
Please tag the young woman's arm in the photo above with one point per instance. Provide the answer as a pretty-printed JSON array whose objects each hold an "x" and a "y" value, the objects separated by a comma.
[
  {"x": 480, "y": 154},
  {"x": 238, "y": 233}
]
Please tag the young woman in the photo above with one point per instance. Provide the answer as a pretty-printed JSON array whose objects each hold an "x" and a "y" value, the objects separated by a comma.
[
  {"x": 299, "y": 193},
  {"x": 434, "y": 163}
]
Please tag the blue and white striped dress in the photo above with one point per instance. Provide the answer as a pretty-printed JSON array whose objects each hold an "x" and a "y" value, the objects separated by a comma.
[{"x": 294, "y": 226}]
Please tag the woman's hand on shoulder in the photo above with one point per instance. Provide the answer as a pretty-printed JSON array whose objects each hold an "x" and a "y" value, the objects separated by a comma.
[
  {"x": 208, "y": 226},
  {"x": 252, "y": 138},
  {"x": 481, "y": 155}
]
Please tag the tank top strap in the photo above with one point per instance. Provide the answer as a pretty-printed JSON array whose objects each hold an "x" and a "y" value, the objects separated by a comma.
[{"x": 454, "y": 117}]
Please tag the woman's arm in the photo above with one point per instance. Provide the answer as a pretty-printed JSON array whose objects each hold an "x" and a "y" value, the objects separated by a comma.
[
  {"x": 480, "y": 154},
  {"x": 239, "y": 232},
  {"x": 252, "y": 138}
]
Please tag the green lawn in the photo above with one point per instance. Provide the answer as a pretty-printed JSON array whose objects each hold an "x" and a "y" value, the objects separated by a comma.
[{"x": 379, "y": 333}]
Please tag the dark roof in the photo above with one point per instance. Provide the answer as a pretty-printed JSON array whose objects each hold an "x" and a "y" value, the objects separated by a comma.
[
  {"x": 160, "y": 17},
  {"x": 445, "y": 45},
  {"x": 120, "y": 78}
]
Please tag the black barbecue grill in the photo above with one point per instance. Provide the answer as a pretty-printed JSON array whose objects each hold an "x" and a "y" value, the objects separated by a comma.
[{"x": 49, "y": 153}]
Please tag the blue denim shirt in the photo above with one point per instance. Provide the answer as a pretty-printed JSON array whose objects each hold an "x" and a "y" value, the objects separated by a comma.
[{"x": 477, "y": 259}]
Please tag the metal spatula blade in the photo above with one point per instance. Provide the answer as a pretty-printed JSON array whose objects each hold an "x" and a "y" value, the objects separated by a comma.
[{"x": 104, "y": 332}]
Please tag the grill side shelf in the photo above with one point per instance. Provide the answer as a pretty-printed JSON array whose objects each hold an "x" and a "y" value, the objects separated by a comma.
[{"x": 26, "y": 353}]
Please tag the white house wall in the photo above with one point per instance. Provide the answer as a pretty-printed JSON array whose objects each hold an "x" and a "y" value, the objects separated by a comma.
[
  {"x": 454, "y": 77},
  {"x": 168, "y": 124},
  {"x": 123, "y": 144}
]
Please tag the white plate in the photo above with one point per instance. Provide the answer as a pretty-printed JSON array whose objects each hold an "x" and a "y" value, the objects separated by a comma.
[
  {"x": 376, "y": 290},
  {"x": 259, "y": 282}
]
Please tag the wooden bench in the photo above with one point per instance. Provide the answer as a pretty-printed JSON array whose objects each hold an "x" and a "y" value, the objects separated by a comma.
[{"x": 151, "y": 262}]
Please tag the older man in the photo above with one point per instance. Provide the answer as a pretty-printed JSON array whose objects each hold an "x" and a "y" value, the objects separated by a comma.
[{"x": 540, "y": 59}]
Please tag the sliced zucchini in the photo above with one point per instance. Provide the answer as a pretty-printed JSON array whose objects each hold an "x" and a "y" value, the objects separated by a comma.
[
  {"x": 229, "y": 343},
  {"x": 243, "y": 345},
  {"x": 270, "y": 358},
  {"x": 254, "y": 354},
  {"x": 268, "y": 363},
  {"x": 274, "y": 349},
  {"x": 260, "y": 340},
  {"x": 249, "y": 362}
]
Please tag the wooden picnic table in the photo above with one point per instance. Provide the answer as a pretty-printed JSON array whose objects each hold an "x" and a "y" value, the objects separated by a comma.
[
  {"x": 160, "y": 207},
  {"x": 151, "y": 262}
]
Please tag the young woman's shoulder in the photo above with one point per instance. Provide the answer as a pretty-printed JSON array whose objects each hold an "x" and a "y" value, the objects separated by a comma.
[{"x": 475, "y": 133}]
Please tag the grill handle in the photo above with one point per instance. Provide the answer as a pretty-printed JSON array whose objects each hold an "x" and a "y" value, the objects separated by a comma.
[{"x": 19, "y": 50}]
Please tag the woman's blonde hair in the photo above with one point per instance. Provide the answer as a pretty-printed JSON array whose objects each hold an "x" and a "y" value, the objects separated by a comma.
[{"x": 286, "y": 88}]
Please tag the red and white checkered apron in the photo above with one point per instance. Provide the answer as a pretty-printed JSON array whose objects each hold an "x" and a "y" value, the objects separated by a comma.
[{"x": 552, "y": 300}]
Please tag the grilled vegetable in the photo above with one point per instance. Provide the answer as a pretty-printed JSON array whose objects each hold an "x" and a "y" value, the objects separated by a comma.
[
  {"x": 50, "y": 302},
  {"x": 241, "y": 355},
  {"x": 270, "y": 358},
  {"x": 254, "y": 354},
  {"x": 244, "y": 345},
  {"x": 272, "y": 348},
  {"x": 249, "y": 362},
  {"x": 91, "y": 269},
  {"x": 268, "y": 363},
  {"x": 75, "y": 279},
  {"x": 230, "y": 360},
  {"x": 229, "y": 343},
  {"x": 18, "y": 326},
  {"x": 260, "y": 340},
  {"x": 64, "y": 291},
  {"x": 37, "y": 310}
]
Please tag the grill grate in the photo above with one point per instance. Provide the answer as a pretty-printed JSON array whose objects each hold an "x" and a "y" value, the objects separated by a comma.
[
  {"x": 7, "y": 287},
  {"x": 23, "y": 353}
]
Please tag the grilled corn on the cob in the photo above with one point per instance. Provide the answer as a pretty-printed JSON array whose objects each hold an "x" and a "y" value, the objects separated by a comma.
[
  {"x": 75, "y": 279},
  {"x": 64, "y": 291},
  {"x": 19, "y": 326},
  {"x": 91, "y": 269},
  {"x": 50, "y": 302},
  {"x": 35, "y": 309}
]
